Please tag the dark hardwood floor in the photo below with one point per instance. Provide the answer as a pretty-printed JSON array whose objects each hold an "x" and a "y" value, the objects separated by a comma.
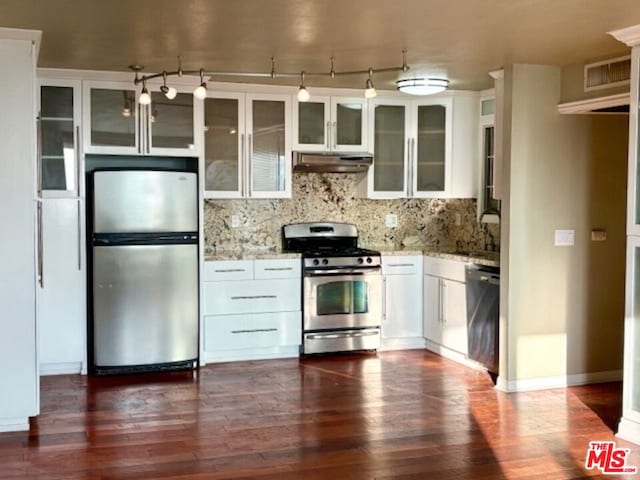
[{"x": 402, "y": 415}]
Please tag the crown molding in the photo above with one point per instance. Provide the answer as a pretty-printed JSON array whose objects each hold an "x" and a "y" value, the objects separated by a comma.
[
  {"x": 496, "y": 74},
  {"x": 629, "y": 35}
]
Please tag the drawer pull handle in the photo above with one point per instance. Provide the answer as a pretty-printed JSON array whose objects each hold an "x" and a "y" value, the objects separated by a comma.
[
  {"x": 229, "y": 270},
  {"x": 253, "y": 297},
  {"x": 401, "y": 264},
  {"x": 256, "y": 330},
  {"x": 277, "y": 269}
]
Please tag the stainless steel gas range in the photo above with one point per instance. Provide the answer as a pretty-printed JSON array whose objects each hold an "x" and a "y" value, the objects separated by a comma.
[{"x": 341, "y": 289}]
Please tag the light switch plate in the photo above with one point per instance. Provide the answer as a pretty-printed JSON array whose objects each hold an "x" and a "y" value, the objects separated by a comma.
[
  {"x": 391, "y": 220},
  {"x": 235, "y": 221},
  {"x": 565, "y": 238}
]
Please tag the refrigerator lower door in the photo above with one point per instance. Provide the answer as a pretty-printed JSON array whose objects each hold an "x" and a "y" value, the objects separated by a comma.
[{"x": 145, "y": 304}]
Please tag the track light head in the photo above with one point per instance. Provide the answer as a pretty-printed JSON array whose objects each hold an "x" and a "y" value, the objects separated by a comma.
[
  {"x": 201, "y": 91},
  {"x": 303, "y": 93},
  {"x": 145, "y": 97},
  {"x": 370, "y": 90}
]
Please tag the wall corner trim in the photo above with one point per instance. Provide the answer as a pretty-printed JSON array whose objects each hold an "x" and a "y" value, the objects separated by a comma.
[{"x": 630, "y": 36}]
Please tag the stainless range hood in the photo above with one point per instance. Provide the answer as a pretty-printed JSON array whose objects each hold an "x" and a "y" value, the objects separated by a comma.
[{"x": 331, "y": 162}]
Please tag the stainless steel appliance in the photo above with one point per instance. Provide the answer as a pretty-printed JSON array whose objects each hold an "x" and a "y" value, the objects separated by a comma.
[
  {"x": 483, "y": 315},
  {"x": 332, "y": 162},
  {"x": 143, "y": 270},
  {"x": 341, "y": 288}
]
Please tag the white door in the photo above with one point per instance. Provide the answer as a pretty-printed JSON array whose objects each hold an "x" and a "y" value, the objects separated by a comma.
[
  {"x": 312, "y": 124},
  {"x": 454, "y": 315},
  {"x": 402, "y": 318},
  {"x": 348, "y": 131}
]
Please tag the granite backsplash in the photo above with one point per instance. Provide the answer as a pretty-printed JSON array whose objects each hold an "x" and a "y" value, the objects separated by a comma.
[{"x": 332, "y": 197}]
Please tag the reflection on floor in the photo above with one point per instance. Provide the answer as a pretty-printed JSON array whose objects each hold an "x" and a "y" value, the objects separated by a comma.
[{"x": 401, "y": 415}]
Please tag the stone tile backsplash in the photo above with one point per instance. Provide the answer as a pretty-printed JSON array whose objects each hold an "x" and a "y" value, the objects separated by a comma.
[{"x": 446, "y": 223}]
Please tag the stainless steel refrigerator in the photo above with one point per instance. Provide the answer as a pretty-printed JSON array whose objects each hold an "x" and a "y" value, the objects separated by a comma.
[{"x": 143, "y": 300}]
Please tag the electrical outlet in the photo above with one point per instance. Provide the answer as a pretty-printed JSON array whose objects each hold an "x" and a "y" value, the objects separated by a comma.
[
  {"x": 391, "y": 220},
  {"x": 235, "y": 221},
  {"x": 458, "y": 219}
]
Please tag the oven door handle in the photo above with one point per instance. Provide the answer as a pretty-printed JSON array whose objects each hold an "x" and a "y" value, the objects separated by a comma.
[
  {"x": 349, "y": 334},
  {"x": 343, "y": 271}
]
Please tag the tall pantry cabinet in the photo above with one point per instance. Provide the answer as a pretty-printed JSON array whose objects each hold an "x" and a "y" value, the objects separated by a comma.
[{"x": 19, "y": 212}]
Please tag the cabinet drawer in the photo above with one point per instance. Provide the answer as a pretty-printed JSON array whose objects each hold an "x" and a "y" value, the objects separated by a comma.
[
  {"x": 287, "y": 268},
  {"x": 400, "y": 265},
  {"x": 219, "y": 270},
  {"x": 254, "y": 296},
  {"x": 230, "y": 332},
  {"x": 444, "y": 268}
]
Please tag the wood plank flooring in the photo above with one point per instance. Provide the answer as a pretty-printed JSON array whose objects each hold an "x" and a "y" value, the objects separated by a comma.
[{"x": 394, "y": 415}]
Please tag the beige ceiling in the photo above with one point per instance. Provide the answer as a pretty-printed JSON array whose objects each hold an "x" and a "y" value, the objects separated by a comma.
[{"x": 460, "y": 39}]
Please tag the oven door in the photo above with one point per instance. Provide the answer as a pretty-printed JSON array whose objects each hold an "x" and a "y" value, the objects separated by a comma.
[{"x": 341, "y": 299}]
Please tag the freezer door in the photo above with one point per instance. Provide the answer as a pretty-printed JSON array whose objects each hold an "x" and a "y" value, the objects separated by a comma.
[
  {"x": 143, "y": 201},
  {"x": 145, "y": 304}
]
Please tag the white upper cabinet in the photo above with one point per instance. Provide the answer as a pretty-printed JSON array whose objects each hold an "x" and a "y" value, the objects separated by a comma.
[
  {"x": 59, "y": 164},
  {"x": 115, "y": 123},
  {"x": 247, "y": 145},
  {"x": 330, "y": 124},
  {"x": 423, "y": 148}
]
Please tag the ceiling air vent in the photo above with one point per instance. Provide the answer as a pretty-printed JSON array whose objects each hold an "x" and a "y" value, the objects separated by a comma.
[{"x": 607, "y": 74}]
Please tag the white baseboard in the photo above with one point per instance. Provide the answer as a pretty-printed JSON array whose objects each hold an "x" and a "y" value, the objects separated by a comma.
[
  {"x": 409, "y": 343},
  {"x": 251, "y": 354},
  {"x": 629, "y": 430},
  {"x": 14, "y": 424},
  {"x": 560, "y": 381},
  {"x": 61, "y": 368},
  {"x": 451, "y": 355}
]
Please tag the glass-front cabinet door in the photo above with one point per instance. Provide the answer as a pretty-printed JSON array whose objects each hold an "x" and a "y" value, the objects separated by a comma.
[
  {"x": 170, "y": 124},
  {"x": 390, "y": 143},
  {"x": 59, "y": 129},
  {"x": 224, "y": 146},
  {"x": 268, "y": 145},
  {"x": 431, "y": 148},
  {"x": 336, "y": 124}
]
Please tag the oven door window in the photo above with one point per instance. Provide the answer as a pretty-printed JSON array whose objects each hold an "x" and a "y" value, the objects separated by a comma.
[{"x": 342, "y": 298}]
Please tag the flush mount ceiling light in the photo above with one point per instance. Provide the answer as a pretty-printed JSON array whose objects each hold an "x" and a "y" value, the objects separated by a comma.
[
  {"x": 422, "y": 86},
  {"x": 303, "y": 93}
]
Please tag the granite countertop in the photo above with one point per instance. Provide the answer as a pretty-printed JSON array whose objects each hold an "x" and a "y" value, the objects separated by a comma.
[
  {"x": 248, "y": 254},
  {"x": 478, "y": 257}
]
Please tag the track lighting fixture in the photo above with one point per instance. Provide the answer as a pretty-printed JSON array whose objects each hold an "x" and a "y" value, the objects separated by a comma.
[
  {"x": 144, "y": 98},
  {"x": 303, "y": 94},
  {"x": 201, "y": 91},
  {"x": 169, "y": 92},
  {"x": 370, "y": 90},
  {"x": 126, "y": 107}
]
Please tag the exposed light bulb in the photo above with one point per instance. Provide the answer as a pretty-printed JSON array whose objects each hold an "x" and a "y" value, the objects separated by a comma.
[
  {"x": 126, "y": 110},
  {"x": 303, "y": 94},
  {"x": 144, "y": 98},
  {"x": 201, "y": 91},
  {"x": 370, "y": 90},
  {"x": 169, "y": 92}
]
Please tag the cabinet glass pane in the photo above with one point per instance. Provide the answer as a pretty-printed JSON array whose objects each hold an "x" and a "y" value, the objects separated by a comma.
[
  {"x": 172, "y": 121},
  {"x": 113, "y": 121},
  {"x": 431, "y": 148},
  {"x": 56, "y": 102},
  {"x": 221, "y": 144},
  {"x": 389, "y": 142},
  {"x": 267, "y": 149},
  {"x": 349, "y": 124},
  {"x": 488, "y": 159},
  {"x": 311, "y": 123},
  {"x": 635, "y": 396},
  {"x": 56, "y": 137}
]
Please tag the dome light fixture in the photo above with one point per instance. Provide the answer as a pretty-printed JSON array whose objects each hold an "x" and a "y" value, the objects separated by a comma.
[
  {"x": 370, "y": 90},
  {"x": 303, "y": 93},
  {"x": 422, "y": 86},
  {"x": 201, "y": 91}
]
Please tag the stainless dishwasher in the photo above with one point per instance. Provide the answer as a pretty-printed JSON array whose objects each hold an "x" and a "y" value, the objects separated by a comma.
[{"x": 483, "y": 315}]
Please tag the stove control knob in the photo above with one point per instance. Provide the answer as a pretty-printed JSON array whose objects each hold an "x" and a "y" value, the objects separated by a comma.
[
  {"x": 360, "y": 260},
  {"x": 325, "y": 261},
  {"x": 316, "y": 261},
  {"x": 369, "y": 260}
]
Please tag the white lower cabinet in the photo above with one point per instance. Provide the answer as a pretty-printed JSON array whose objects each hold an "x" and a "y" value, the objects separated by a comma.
[
  {"x": 61, "y": 297},
  {"x": 402, "y": 320},
  {"x": 445, "y": 306},
  {"x": 252, "y": 309}
]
